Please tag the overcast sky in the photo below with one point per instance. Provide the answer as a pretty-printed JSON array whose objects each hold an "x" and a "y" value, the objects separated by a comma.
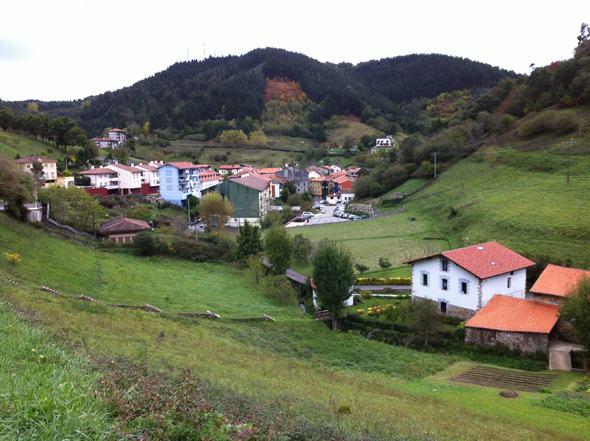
[{"x": 67, "y": 49}]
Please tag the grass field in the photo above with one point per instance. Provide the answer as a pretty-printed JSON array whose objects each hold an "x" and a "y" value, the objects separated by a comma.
[
  {"x": 519, "y": 198},
  {"x": 45, "y": 389},
  {"x": 343, "y": 127},
  {"x": 12, "y": 144},
  {"x": 294, "y": 361},
  {"x": 394, "y": 236}
]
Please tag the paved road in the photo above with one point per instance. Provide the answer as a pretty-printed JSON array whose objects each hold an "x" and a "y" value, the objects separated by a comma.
[{"x": 320, "y": 218}]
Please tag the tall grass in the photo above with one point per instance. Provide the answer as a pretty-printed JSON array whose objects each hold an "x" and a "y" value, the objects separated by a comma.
[{"x": 46, "y": 393}]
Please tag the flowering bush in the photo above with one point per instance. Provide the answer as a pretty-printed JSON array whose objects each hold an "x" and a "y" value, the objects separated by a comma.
[{"x": 13, "y": 258}]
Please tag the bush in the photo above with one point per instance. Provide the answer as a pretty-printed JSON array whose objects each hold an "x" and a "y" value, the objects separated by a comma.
[
  {"x": 384, "y": 262},
  {"x": 383, "y": 281},
  {"x": 549, "y": 121},
  {"x": 199, "y": 250},
  {"x": 13, "y": 258}
]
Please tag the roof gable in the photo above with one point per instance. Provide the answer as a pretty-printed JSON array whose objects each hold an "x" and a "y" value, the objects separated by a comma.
[{"x": 123, "y": 225}]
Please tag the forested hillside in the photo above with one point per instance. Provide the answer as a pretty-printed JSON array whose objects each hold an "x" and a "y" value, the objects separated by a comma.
[{"x": 233, "y": 87}]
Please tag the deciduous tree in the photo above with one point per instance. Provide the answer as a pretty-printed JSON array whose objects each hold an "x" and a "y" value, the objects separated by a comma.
[
  {"x": 249, "y": 242},
  {"x": 576, "y": 309},
  {"x": 215, "y": 210},
  {"x": 278, "y": 248},
  {"x": 333, "y": 276}
]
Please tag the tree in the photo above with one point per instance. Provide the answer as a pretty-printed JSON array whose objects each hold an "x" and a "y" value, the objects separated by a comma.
[
  {"x": 233, "y": 137},
  {"x": 215, "y": 210},
  {"x": 425, "y": 321},
  {"x": 277, "y": 248},
  {"x": 301, "y": 248},
  {"x": 38, "y": 175},
  {"x": 258, "y": 137},
  {"x": 584, "y": 33},
  {"x": 73, "y": 206},
  {"x": 361, "y": 268},
  {"x": 32, "y": 107},
  {"x": 384, "y": 263},
  {"x": 249, "y": 243},
  {"x": 16, "y": 187},
  {"x": 333, "y": 276},
  {"x": 576, "y": 309}
]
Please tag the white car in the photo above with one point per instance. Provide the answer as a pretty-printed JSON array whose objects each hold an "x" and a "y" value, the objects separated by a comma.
[{"x": 307, "y": 215}]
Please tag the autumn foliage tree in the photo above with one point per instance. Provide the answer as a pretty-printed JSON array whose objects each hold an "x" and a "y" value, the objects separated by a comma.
[{"x": 215, "y": 210}]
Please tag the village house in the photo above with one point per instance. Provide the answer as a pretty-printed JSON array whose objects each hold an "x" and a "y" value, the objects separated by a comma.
[
  {"x": 209, "y": 179},
  {"x": 123, "y": 229},
  {"x": 557, "y": 282},
  {"x": 250, "y": 195},
  {"x": 102, "y": 180},
  {"x": 130, "y": 178},
  {"x": 105, "y": 143},
  {"x": 49, "y": 167},
  {"x": 515, "y": 323},
  {"x": 150, "y": 179},
  {"x": 117, "y": 135},
  {"x": 298, "y": 177},
  {"x": 230, "y": 169},
  {"x": 314, "y": 171},
  {"x": 178, "y": 180},
  {"x": 383, "y": 144},
  {"x": 463, "y": 280}
]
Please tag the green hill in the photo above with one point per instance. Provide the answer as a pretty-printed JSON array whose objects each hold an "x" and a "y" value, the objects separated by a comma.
[
  {"x": 293, "y": 365},
  {"x": 517, "y": 196},
  {"x": 12, "y": 144}
]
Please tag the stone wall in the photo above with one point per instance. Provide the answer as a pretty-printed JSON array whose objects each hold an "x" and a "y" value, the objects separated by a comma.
[
  {"x": 527, "y": 343},
  {"x": 452, "y": 310}
]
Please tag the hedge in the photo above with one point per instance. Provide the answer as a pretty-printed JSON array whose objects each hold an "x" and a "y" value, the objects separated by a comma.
[{"x": 383, "y": 280}]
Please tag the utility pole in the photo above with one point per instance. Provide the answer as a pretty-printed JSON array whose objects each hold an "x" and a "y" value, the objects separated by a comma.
[
  {"x": 435, "y": 157},
  {"x": 188, "y": 208}
]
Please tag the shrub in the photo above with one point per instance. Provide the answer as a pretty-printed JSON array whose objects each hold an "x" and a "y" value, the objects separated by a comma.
[
  {"x": 13, "y": 258},
  {"x": 384, "y": 262},
  {"x": 549, "y": 121},
  {"x": 383, "y": 281}
]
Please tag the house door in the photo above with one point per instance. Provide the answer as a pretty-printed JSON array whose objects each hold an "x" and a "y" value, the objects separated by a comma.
[{"x": 443, "y": 307}]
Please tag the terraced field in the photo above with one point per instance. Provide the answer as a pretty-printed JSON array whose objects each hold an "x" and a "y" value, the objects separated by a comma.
[{"x": 505, "y": 378}]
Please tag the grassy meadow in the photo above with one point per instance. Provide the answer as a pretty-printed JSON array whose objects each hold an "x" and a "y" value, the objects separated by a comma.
[
  {"x": 45, "y": 389},
  {"x": 398, "y": 237},
  {"x": 295, "y": 362},
  {"x": 517, "y": 197},
  {"x": 12, "y": 144}
]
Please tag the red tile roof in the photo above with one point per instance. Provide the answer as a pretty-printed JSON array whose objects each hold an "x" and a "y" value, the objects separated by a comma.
[
  {"x": 251, "y": 181},
  {"x": 268, "y": 170},
  {"x": 229, "y": 166},
  {"x": 99, "y": 171},
  {"x": 484, "y": 260},
  {"x": 181, "y": 165},
  {"x": 31, "y": 159},
  {"x": 126, "y": 168},
  {"x": 505, "y": 313},
  {"x": 488, "y": 259},
  {"x": 149, "y": 167},
  {"x": 558, "y": 280},
  {"x": 123, "y": 225}
]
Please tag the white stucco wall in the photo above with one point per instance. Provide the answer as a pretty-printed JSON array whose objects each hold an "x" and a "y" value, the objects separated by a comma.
[{"x": 455, "y": 275}]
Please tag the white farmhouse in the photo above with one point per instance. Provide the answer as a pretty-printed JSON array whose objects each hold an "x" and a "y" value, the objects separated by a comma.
[
  {"x": 464, "y": 280},
  {"x": 118, "y": 135},
  {"x": 129, "y": 177}
]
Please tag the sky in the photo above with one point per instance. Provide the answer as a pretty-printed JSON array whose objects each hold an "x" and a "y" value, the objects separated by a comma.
[{"x": 70, "y": 49}]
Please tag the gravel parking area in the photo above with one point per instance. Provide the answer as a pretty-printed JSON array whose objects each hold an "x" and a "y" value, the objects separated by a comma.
[{"x": 320, "y": 218}]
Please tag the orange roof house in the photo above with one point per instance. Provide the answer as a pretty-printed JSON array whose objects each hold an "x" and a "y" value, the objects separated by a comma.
[
  {"x": 123, "y": 229},
  {"x": 511, "y": 314},
  {"x": 558, "y": 281},
  {"x": 518, "y": 324}
]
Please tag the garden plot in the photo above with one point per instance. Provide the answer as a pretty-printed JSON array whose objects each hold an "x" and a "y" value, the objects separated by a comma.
[{"x": 505, "y": 379}]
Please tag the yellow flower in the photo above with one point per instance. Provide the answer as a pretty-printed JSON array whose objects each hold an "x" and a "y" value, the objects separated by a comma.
[{"x": 33, "y": 350}]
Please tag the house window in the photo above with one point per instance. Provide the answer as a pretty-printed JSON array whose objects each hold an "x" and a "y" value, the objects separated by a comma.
[
  {"x": 445, "y": 284},
  {"x": 508, "y": 282},
  {"x": 445, "y": 265},
  {"x": 463, "y": 287},
  {"x": 424, "y": 279},
  {"x": 443, "y": 307}
]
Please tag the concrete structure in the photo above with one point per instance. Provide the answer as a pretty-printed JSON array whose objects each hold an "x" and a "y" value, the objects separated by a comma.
[
  {"x": 150, "y": 179},
  {"x": 178, "y": 180},
  {"x": 102, "y": 178},
  {"x": 250, "y": 196},
  {"x": 49, "y": 167},
  {"x": 298, "y": 177},
  {"x": 210, "y": 179},
  {"x": 230, "y": 169},
  {"x": 464, "y": 280},
  {"x": 34, "y": 212},
  {"x": 123, "y": 229}
]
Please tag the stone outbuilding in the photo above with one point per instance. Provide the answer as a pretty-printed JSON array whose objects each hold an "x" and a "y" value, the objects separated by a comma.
[
  {"x": 123, "y": 229},
  {"x": 517, "y": 324}
]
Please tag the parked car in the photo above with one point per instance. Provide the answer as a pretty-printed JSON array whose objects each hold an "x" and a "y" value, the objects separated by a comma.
[
  {"x": 307, "y": 215},
  {"x": 299, "y": 219}
]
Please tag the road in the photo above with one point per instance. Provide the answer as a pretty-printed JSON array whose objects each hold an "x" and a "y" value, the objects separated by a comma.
[{"x": 380, "y": 287}]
